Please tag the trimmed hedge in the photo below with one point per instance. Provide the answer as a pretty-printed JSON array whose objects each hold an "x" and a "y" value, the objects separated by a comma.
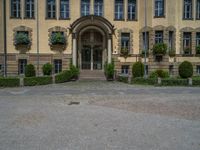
[
  {"x": 159, "y": 73},
  {"x": 32, "y": 81},
  {"x": 144, "y": 81},
  {"x": 47, "y": 69},
  {"x": 196, "y": 81},
  {"x": 64, "y": 76},
  {"x": 29, "y": 70},
  {"x": 138, "y": 69},
  {"x": 9, "y": 82},
  {"x": 185, "y": 69},
  {"x": 122, "y": 78},
  {"x": 174, "y": 82}
]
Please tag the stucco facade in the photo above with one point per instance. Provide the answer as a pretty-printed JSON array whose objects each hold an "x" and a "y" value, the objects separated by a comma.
[{"x": 171, "y": 21}]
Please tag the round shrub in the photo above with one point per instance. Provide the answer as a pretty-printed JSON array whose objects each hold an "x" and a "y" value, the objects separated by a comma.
[
  {"x": 47, "y": 69},
  {"x": 159, "y": 73},
  {"x": 30, "y": 71},
  {"x": 138, "y": 69},
  {"x": 159, "y": 49},
  {"x": 185, "y": 69}
]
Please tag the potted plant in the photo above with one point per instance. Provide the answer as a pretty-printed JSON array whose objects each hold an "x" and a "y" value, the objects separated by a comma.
[
  {"x": 187, "y": 50},
  {"x": 159, "y": 50},
  {"x": 57, "y": 40},
  {"x": 22, "y": 39},
  {"x": 198, "y": 50},
  {"x": 74, "y": 72},
  {"x": 124, "y": 52},
  {"x": 109, "y": 71}
]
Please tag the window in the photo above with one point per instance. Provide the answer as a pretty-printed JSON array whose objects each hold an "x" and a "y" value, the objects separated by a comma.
[
  {"x": 198, "y": 39},
  {"x": 29, "y": 8},
  {"x": 187, "y": 12},
  {"x": 51, "y": 9},
  {"x": 64, "y": 9},
  {"x": 131, "y": 9},
  {"x": 198, "y": 69},
  {"x": 171, "y": 70},
  {"x": 119, "y": 9},
  {"x": 98, "y": 7},
  {"x": 158, "y": 37},
  {"x": 85, "y": 7},
  {"x": 159, "y": 8},
  {"x": 125, "y": 69},
  {"x": 171, "y": 39},
  {"x": 143, "y": 35},
  {"x": 22, "y": 64},
  {"x": 15, "y": 9},
  {"x": 57, "y": 65},
  {"x": 198, "y": 9},
  {"x": 187, "y": 38},
  {"x": 125, "y": 41}
]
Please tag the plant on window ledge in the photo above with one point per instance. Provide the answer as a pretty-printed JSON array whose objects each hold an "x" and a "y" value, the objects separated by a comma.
[
  {"x": 172, "y": 53},
  {"x": 57, "y": 39},
  {"x": 124, "y": 52},
  {"x": 22, "y": 39},
  {"x": 198, "y": 50},
  {"x": 159, "y": 49},
  {"x": 187, "y": 50}
]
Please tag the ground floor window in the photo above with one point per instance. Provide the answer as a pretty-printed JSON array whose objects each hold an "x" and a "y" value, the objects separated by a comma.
[
  {"x": 57, "y": 65},
  {"x": 171, "y": 69},
  {"x": 187, "y": 42},
  {"x": 147, "y": 69},
  {"x": 21, "y": 66},
  {"x": 125, "y": 69},
  {"x": 198, "y": 69}
]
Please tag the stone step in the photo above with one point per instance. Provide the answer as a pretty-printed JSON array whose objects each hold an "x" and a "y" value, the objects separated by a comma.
[{"x": 92, "y": 75}]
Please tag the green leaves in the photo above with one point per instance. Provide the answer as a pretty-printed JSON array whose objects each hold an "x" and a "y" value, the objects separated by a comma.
[
  {"x": 159, "y": 49},
  {"x": 57, "y": 38},
  {"x": 22, "y": 39}
]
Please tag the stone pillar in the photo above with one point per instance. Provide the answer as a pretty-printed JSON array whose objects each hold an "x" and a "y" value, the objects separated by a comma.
[
  {"x": 109, "y": 49},
  {"x": 74, "y": 53}
]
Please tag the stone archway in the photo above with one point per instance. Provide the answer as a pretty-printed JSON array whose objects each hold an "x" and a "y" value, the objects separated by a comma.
[{"x": 90, "y": 24}]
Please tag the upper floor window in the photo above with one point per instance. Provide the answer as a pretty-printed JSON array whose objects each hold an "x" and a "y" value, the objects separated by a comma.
[
  {"x": 145, "y": 43},
  {"x": 29, "y": 8},
  {"x": 51, "y": 9},
  {"x": 125, "y": 41},
  {"x": 15, "y": 9},
  {"x": 187, "y": 9},
  {"x": 159, "y": 8},
  {"x": 119, "y": 9},
  {"x": 131, "y": 9},
  {"x": 187, "y": 42},
  {"x": 198, "y": 9},
  {"x": 158, "y": 37},
  {"x": 98, "y": 7},
  {"x": 85, "y": 7},
  {"x": 64, "y": 9}
]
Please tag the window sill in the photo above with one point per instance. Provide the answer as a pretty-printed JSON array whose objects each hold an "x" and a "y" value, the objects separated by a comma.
[
  {"x": 15, "y": 17},
  {"x": 51, "y": 18},
  {"x": 187, "y": 55},
  {"x": 132, "y": 20},
  {"x": 188, "y": 19},
  {"x": 119, "y": 19},
  {"x": 197, "y": 18},
  {"x": 64, "y": 18},
  {"x": 33, "y": 18},
  {"x": 159, "y": 17}
]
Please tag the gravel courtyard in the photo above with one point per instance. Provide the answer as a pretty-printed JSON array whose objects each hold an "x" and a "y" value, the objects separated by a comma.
[{"x": 99, "y": 115}]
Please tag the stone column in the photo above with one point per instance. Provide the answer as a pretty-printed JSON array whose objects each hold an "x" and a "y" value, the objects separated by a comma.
[
  {"x": 74, "y": 52},
  {"x": 109, "y": 49}
]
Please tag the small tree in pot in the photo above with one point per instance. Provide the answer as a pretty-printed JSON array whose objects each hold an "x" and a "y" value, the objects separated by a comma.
[
  {"x": 109, "y": 71},
  {"x": 57, "y": 39},
  {"x": 159, "y": 50}
]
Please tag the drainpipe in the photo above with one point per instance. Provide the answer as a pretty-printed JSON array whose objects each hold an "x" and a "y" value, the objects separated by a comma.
[
  {"x": 5, "y": 41},
  {"x": 145, "y": 51},
  {"x": 38, "y": 52}
]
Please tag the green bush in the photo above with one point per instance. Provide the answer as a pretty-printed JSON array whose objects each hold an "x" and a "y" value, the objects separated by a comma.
[
  {"x": 185, "y": 69},
  {"x": 138, "y": 69},
  {"x": 64, "y": 76},
  {"x": 160, "y": 74},
  {"x": 144, "y": 81},
  {"x": 159, "y": 49},
  {"x": 196, "y": 81},
  {"x": 47, "y": 69},
  {"x": 109, "y": 71},
  {"x": 74, "y": 72},
  {"x": 22, "y": 38},
  {"x": 57, "y": 38},
  {"x": 29, "y": 71},
  {"x": 174, "y": 82},
  {"x": 122, "y": 78},
  {"x": 9, "y": 82},
  {"x": 32, "y": 81},
  {"x": 198, "y": 49}
]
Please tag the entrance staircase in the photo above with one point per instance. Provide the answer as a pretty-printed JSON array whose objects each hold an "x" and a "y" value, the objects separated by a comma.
[{"x": 92, "y": 75}]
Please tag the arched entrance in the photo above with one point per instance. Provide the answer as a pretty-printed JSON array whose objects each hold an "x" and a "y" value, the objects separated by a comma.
[
  {"x": 92, "y": 42},
  {"x": 92, "y": 49}
]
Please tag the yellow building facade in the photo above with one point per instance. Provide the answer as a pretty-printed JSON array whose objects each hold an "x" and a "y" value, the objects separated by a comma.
[{"x": 89, "y": 33}]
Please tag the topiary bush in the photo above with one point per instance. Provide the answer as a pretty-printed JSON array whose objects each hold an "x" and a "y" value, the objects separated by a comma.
[
  {"x": 185, "y": 69},
  {"x": 144, "y": 81},
  {"x": 32, "y": 81},
  {"x": 74, "y": 72},
  {"x": 29, "y": 70},
  {"x": 174, "y": 82},
  {"x": 47, "y": 69},
  {"x": 109, "y": 71},
  {"x": 159, "y": 73},
  {"x": 64, "y": 76},
  {"x": 9, "y": 82},
  {"x": 138, "y": 69},
  {"x": 160, "y": 49}
]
